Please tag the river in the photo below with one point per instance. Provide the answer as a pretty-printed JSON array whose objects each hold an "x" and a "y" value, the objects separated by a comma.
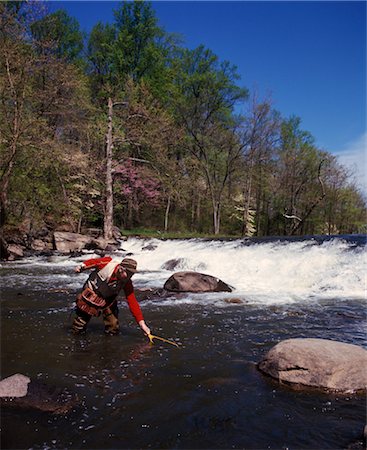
[{"x": 206, "y": 394}]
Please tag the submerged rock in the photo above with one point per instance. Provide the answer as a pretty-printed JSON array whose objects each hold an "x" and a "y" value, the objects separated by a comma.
[
  {"x": 236, "y": 301},
  {"x": 173, "y": 264},
  {"x": 319, "y": 363},
  {"x": 151, "y": 294},
  {"x": 195, "y": 282},
  {"x": 19, "y": 391},
  {"x": 150, "y": 247}
]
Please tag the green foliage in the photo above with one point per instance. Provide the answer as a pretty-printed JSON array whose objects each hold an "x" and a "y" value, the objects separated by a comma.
[
  {"x": 133, "y": 47},
  {"x": 59, "y": 34},
  {"x": 137, "y": 54},
  {"x": 259, "y": 174},
  {"x": 102, "y": 65},
  {"x": 205, "y": 89}
]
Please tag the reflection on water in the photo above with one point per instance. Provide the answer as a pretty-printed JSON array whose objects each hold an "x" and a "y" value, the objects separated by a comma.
[{"x": 207, "y": 394}]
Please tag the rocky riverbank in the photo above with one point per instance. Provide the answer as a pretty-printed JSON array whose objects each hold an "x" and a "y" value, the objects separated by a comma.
[{"x": 18, "y": 242}]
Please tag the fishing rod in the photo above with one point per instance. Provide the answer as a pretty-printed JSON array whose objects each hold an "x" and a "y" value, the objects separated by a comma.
[{"x": 152, "y": 336}]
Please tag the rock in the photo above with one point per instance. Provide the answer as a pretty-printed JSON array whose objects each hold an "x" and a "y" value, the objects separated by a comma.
[
  {"x": 97, "y": 244},
  {"x": 173, "y": 264},
  {"x": 143, "y": 294},
  {"x": 39, "y": 245},
  {"x": 66, "y": 242},
  {"x": 116, "y": 233},
  {"x": 181, "y": 264},
  {"x": 150, "y": 247},
  {"x": 19, "y": 391},
  {"x": 111, "y": 248},
  {"x": 319, "y": 363},
  {"x": 236, "y": 301},
  {"x": 14, "y": 386},
  {"x": 15, "y": 251},
  {"x": 195, "y": 282}
]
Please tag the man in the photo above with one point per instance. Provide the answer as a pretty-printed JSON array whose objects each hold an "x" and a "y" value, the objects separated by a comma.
[{"x": 100, "y": 293}]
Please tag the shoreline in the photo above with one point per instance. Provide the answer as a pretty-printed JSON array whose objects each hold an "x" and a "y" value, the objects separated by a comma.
[{"x": 68, "y": 243}]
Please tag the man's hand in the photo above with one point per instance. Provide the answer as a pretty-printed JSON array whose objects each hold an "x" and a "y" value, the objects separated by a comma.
[
  {"x": 144, "y": 327},
  {"x": 78, "y": 269}
]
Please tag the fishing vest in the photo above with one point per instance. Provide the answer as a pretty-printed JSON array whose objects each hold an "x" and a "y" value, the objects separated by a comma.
[
  {"x": 104, "y": 288},
  {"x": 99, "y": 293}
]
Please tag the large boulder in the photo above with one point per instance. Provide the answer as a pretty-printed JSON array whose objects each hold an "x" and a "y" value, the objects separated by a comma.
[
  {"x": 102, "y": 244},
  {"x": 15, "y": 251},
  {"x": 19, "y": 391},
  {"x": 195, "y": 282},
  {"x": 13, "y": 243},
  {"x": 318, "y": 363},
  {"x": 66, "y": 242}
]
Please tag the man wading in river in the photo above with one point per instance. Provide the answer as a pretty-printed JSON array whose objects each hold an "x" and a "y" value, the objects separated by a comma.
[{"x": 100, "y": 293}]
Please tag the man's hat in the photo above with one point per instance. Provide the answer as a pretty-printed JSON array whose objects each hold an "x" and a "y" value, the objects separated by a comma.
[{"x": 129, "y": 265}]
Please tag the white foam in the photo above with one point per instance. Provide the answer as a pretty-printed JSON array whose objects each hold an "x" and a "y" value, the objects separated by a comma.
[
  {"x": 272, "y": 272},
  {"x": 275, "y": 272}
]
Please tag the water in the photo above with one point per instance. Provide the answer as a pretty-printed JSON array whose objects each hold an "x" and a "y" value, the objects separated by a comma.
[{"x": 208, "y": 394}]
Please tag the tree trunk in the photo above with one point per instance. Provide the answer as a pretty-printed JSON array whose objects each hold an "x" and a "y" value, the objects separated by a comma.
[
  {"x": 247, "y": 198},
  {"x": 167, "y": 213},
  {"x": 216, "y": 217},
  {"x": 192, "y": 223},
  {"x": 246, "y": 208},
  {"x": 79, "y": 229},
  {"x": 130, "y": 211},
  {"x": 198, "y": 211},
  {"x": 108, "y": 214}
]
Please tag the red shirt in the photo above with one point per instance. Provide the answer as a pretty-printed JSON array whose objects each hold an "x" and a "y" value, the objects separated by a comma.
[{"x": 100, "y": 263}]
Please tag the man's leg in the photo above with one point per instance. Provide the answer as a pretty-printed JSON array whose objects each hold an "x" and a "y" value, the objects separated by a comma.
[
  {"x": 80, "y": 322},
  {"x": 110, "y": 319}
]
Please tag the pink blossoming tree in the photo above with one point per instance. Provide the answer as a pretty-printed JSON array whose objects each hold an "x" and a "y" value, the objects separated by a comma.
[{"x": 137, "y": 187}]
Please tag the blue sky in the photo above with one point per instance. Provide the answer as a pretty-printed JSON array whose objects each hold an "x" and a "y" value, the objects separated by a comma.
[{"x": 310, "y": 56}]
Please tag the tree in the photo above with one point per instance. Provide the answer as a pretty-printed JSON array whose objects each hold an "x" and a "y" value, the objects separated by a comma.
[
  {"x": 59, "y": 34},
  {"x": 148, "y": 136},
  {"x": 301, "y": 186},
  {"x": 131, "y": 49},
  {"x": 139, "y": 186},
  {"x": 205, "y": 96},
  {"x": 260, "y": 134},
  {"x": 42, "y": 106}
]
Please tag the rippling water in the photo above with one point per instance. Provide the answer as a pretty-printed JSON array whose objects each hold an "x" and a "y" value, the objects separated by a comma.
[{"x": 207, "y": 394}]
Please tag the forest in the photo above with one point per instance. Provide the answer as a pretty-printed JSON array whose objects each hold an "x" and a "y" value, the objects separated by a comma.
[{"x": 126, "y": 127}]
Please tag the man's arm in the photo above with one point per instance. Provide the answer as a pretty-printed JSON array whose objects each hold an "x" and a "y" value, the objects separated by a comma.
[
  {"x": 135, "y": 307},
  {"x": 92, "y": 263}
]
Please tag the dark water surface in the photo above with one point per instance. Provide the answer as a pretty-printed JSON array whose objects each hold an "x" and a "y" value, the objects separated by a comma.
[{"x": 207, "y": 394}]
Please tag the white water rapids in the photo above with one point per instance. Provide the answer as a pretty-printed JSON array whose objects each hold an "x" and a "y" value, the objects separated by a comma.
[{"x": 272, "y": 272}]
